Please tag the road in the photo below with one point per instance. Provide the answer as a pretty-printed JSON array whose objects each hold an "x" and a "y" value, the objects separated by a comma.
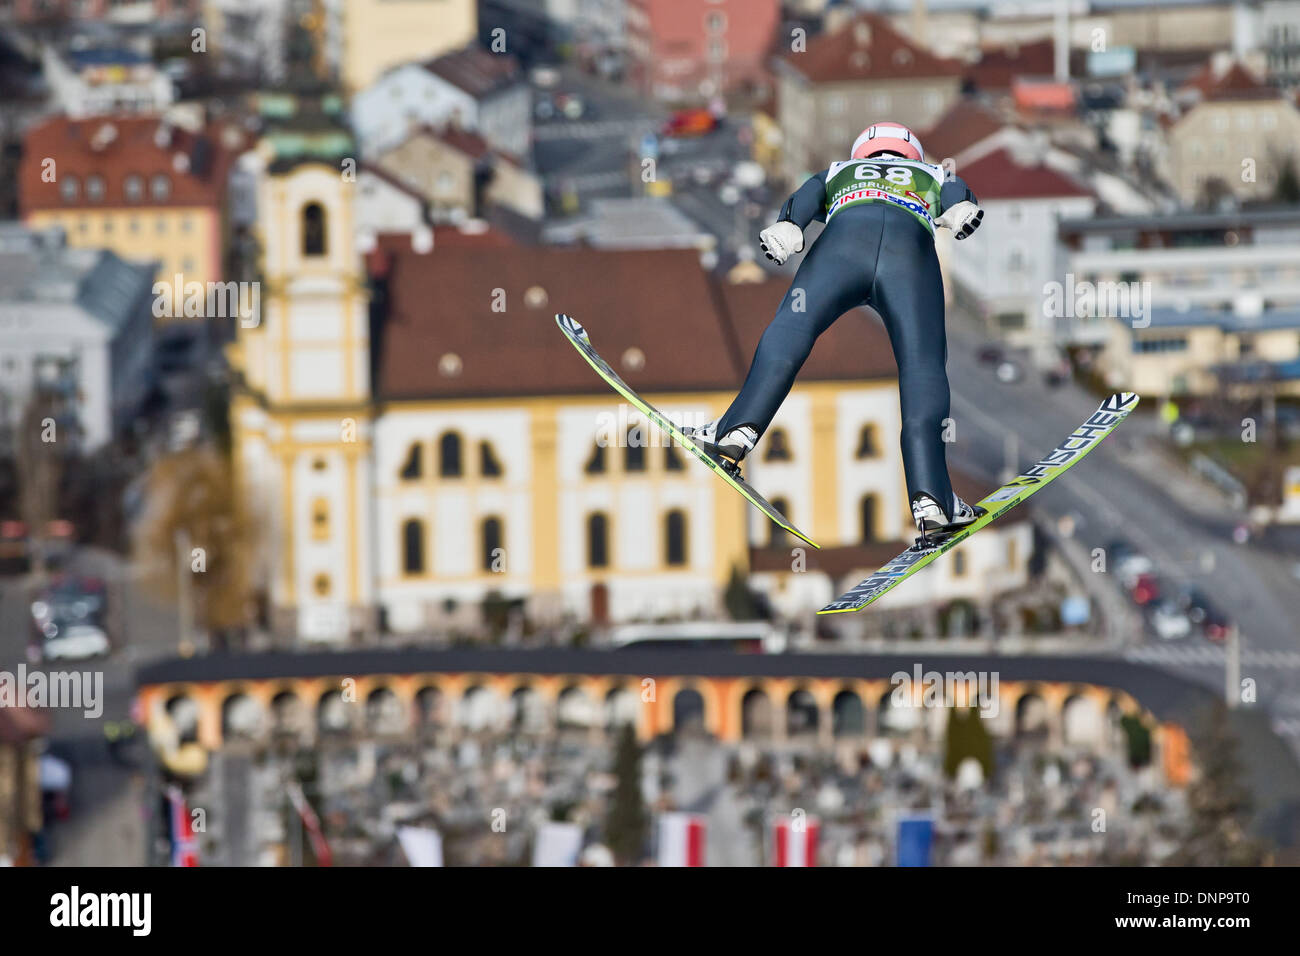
[
  {"x": 1126, "y": 490},
  {"x": 109, "y": 800}
]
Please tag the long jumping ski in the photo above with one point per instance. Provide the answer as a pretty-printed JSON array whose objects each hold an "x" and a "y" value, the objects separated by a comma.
[
  {"x": 576, "y": 334},
  {"x": 1081, "y": 441}
]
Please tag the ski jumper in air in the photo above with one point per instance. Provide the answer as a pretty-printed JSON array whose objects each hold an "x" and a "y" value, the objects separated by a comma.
[{"x": 881, "y": 208}]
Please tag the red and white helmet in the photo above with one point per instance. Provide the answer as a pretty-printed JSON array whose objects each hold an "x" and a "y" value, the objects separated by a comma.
[{"x": 888, "y": 138}]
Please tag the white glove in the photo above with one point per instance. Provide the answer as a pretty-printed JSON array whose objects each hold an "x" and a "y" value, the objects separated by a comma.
[
  {"x": 781, "y": 239},
  {"x": 963, "y": 218}
]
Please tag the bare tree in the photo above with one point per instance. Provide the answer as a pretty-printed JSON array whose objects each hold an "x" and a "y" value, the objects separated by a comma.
[{"x": 193, "y": 505}]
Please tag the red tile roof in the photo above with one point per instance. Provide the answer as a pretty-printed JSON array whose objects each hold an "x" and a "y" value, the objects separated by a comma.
[
  {"x": 695, "y": 332},
  {"x": 1234, "y": 83},
  {"x": 999, "y": 176},
  {"x": 114, "y": 148},
  {"x": 964, "y": 124},
  {"x": 475, "y": 70},
  {"x": 868, "y": 48},
  {"x": 997, "y": 68}
]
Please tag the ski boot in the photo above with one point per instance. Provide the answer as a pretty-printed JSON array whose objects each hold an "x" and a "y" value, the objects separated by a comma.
[
  {"x": 729, "y": 450},
  {"x": 935, "y": 525}
]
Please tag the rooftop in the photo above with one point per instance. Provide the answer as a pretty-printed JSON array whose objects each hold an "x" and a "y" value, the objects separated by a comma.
[
  {"x": 1000, "y": 176},
  {"x": 194, "y": 165},
  {"x": 475, "y": 70},
  {"x": 1168, "y": 317},
  {"x": 868, "y": 48},
  {"x": 1188, "y": 220},
  {"x": 966, "y": 123},
  {"x": 36, "y": 267},
  {"x": 642, "y": 222},
  {"x": 657, "y": 316}
]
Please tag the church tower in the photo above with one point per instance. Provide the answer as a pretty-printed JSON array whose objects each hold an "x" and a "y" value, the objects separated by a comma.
[{"x": 301, "y": 413}]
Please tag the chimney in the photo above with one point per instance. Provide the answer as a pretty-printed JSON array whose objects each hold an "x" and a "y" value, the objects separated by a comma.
[
  {"x": 836, "y": 18},
  {"x": 920, "y": 23},
  {"x": 1061, "y": 48},
  {"x": 422, "y": 240},
  {"x": 102, "y": 136}
]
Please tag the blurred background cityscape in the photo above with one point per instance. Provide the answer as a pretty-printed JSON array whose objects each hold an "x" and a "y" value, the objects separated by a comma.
[{"x": 375, "y": 571}]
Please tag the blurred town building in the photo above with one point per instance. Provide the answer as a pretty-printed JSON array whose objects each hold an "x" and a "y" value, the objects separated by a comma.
[
  {"x": 470, "y": 88},
  {"x": 679, "y": 50},
  {"x": 247, "y": 37},
  {"x": 105, "y": 80},
  {"x": 456, "y": 174},
  {"x": 1239, "y": 265},
  {"x": 142, "y": 186},
  {"x": 1239, "y": 135},
  {"x": 863, "y": 71},
  {"x": 78, "y": 322},
  {"x": 359, "y": 40}
]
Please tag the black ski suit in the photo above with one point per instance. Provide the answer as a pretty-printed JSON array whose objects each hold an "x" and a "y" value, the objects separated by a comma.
[{"x": 875, "y": 254}]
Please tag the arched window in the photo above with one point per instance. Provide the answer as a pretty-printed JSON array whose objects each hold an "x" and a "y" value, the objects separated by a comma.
[
  {"x": 778, "y": 537},
  {"x": 867, "y": 512},
  {"x": 313, "y": 229},
  {"x": 634, "y": 451},
  {"x": 412, "y": 469},
  {"x": 867, "y": 445},
  {"x": 778, "y": 446},
  {"x": 596, "y": 463},
  {"x": 675, "y": 543},
  {"x": 492, "y": 542},
  {"x": 413, "y": 546},
  {"x": 449, "y": 455},
  {"x": 488, "y": 464},
  {"x": 598, "y": 541},
  {"x": 673, "y": 458}
]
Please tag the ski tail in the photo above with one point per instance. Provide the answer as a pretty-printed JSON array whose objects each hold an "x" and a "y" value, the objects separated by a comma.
[{"x": 1051, "y": 466}]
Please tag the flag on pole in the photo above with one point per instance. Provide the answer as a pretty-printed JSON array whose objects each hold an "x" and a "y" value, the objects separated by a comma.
[
  {"x": 185, "y": 849},
  {"x": 557, "y": 844},
  {"x": 312, "y": 822},
  {"x": 422, "y": 845},
  {"x": 681, "y": 839},
  {"x": 915, "y": 837},
  {"x": 795, "y": 843}
]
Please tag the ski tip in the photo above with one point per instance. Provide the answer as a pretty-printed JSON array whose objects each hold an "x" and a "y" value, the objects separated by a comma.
[
  {"x": 1121, "y": 402},
  {"x": 572, "y": 326}
]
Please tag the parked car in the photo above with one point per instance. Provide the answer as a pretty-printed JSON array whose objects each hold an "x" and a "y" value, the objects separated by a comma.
[
  {"x": 1170, "y": 622},
  {"x": 1145, "y": 590},
  {"x": 692, "y": 122},
  {"x": 68, "y": 618},
  {"x": 1128, "y": 563},
  {"x": 72, "y": 640},
  {"x": 15, "y": 549},
  {"x": 989, "y": 354},
  {"x": 1216, "y": 625},
  {"x": 1009, "y": 372}
]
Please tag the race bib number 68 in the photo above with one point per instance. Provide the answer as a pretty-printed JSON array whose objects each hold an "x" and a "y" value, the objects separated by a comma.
[{"x": 898, "y": 175}]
